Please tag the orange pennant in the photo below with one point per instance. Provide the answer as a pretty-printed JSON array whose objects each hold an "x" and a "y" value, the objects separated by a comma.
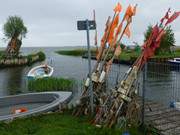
[
  {"x": 119, "y": 29},
  {"x": 129, "y": 12},
  {"x": 116, "y": 21},
  {"x": 103, "y": 40},
  {"x": 118, "y": 8},
  {"x": 134, "y": 10},
  {"x": 117, "y": 51},
  {"x": 127, "y": 32},
  {"x": 113, "y": 27}
]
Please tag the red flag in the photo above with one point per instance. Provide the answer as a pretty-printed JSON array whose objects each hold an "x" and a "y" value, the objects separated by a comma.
[
  {"x": 172, "y": 18},
  {"x": 127, "y": 32},
  {"x": 118, "y": 8},
  {"x": 160, "y": 36},
  {"x": 166, "y": 16}
]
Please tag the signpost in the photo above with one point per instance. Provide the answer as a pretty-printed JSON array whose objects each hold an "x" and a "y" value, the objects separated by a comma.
[{"x": 88, "y": 25}]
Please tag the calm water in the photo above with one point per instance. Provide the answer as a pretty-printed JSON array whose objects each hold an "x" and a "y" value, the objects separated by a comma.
[{"x": 13, "y": 80}]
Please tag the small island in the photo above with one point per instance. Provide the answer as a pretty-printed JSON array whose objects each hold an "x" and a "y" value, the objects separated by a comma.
[{"x": 15, "y": 31}]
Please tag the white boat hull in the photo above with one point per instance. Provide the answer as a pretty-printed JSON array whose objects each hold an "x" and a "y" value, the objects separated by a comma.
[{"x": 39, "y": 72}]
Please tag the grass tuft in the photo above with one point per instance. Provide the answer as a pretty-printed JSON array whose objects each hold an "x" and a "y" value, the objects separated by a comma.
[
  {"x": 57, "y": 124},
  {"x": 50, "y": 84}
]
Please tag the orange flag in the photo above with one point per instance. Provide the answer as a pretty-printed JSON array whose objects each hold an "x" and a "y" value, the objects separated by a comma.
[
  {"x": 117, "y": 51},
  {"x": 127, "y": 32},
  {"x": 103, "y": 40},
  {"x": 118, "y": 8},
  {"x": 113, "y": 27},
  {"x": 134, "y": 10},
  {"x": 119, "y": 29},
  {"x": 129, "y": 12}
]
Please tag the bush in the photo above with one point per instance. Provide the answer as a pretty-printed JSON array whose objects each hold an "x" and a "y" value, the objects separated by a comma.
[
  {"x": 76, "y": 52},
  {"x": 41, "y": 57},
  {"x": 50, "y": 84},
  {"x": 167, "y": 41}
]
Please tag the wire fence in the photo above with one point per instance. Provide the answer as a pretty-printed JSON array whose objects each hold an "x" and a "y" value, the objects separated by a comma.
[
  {"x": 160, "y": 91},
  {"x": 162, "y": 96}
]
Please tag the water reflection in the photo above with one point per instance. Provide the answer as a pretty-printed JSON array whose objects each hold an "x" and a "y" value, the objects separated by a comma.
[
  {"x": 162, "y": 83},
  {"x": 14, "y": 81}
]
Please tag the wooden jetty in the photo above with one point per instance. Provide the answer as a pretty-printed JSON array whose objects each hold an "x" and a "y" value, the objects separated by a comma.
[{"x": 165, "y": 120}]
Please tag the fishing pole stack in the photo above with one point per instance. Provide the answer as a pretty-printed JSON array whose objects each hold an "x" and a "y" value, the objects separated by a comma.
[
  {"x": 110, "y": 44},
  {"x": 120, "y": 101},
  {"x": 123, "y": 99}
]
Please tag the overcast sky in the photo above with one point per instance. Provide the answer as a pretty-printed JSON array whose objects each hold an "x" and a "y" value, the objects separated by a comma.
[{"x": 53, "y": 22}]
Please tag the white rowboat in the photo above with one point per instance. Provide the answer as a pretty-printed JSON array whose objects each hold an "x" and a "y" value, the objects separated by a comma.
[{"x": 40, "y": 71}]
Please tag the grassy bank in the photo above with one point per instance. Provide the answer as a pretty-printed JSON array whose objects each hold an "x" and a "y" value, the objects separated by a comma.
[
  {"x": 76, "y": 52},
  {"x": 50, "y": 84},
  {"x": 21, "y": 60},
  {"x": 126, "y": 55},
  {"x": 57, "y": 124},
  {"x": 31, "y": 57}
]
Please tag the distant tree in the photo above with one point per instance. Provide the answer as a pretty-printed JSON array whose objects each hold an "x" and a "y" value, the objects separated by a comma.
[
  {"x": 167, "y": 41},
  {"x": 137, "y": 49},
  {"x": 14, "y": 30},
  {"x": 122, "y": 46}
]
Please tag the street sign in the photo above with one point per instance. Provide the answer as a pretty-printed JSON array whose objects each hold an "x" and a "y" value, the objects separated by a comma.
[
  {"x": 88, "y": 25},
  {"x": 82, "y": 25}
]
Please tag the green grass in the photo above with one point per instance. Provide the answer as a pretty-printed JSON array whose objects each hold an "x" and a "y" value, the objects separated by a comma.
[
  {"x": 41, "y": 55},
  {"x": 76, "y": 52},
  {"x": 29, "y": 59},
  {"x": 50, "y": 84},
  {"x": 57, "y": 124},
  {"x": 1, "y": 54},
  {"x": 126, "y": 55}
]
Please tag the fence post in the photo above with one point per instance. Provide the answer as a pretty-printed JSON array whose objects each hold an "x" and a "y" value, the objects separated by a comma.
[{"x": 144, "y": 91}]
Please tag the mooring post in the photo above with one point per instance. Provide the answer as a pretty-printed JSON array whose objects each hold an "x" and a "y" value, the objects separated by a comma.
[
  {"x": 89, "y": 66},
  {"x": 144, "y": 91}
]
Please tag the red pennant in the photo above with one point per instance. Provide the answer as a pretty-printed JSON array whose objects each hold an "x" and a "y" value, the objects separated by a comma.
[{"x": 173, "y": 17}]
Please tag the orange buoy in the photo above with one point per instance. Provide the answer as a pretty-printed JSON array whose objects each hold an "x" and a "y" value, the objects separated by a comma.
[{"x": 19, "y": 110}]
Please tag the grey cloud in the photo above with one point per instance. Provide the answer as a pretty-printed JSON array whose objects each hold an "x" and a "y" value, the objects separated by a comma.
[{"x": 53, "y": 22}]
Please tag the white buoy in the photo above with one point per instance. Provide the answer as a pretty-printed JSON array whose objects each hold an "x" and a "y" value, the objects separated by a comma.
[
  {"x": 102, "y": 76},
  {"x": 87, "y": 82},
  {"x": 94, "y": 77},
  {"x": 98, "y": 67}
]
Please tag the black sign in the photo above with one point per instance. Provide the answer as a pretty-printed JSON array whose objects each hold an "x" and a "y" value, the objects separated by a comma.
[{"x": 82, "y": 25}]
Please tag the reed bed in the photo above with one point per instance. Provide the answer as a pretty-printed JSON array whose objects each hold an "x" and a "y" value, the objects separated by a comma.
[{"x": 50, "y": 84}]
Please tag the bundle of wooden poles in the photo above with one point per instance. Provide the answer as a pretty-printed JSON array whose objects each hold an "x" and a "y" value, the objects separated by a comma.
[{"x": 121, "y": 101}]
